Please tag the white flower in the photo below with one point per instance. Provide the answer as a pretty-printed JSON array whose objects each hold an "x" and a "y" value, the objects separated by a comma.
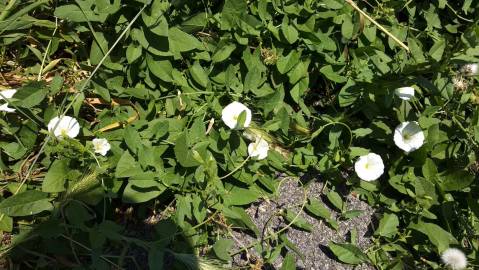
[
  {"x": 66, "y": 126},
  {"x": 405, "y": 93},
  {"x": 101, "y": 146},
  {"x": 470, "y": 69},
  {"x": 258, "y": 149},
  {"x": 231, "y": 113},
  {"x": 454, "y": 258},
  {"x": 369, "y": 167},
  {"x": 7, "y": 94},
  {"x": 408, "y": 136}
]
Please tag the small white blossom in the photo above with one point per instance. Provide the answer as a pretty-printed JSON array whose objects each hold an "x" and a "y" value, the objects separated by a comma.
[
  {"x": 470, "y": 69},
  {"x": 101, "y": 146},
  {"x": 231, "y": 113},
  {"x": 409, "y": 136},
  {"x": 405, "y": 93},
  {"x": 258, "y": 149},
  {"x": 369, "y": 167},
  {"x": 7, "y": 94},
  {"x": 66, "y": 126},
  {"x": 454, "y": 259}
]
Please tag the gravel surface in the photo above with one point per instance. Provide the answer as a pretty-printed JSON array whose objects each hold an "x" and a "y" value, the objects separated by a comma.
[{"x": 312, "y": 245}]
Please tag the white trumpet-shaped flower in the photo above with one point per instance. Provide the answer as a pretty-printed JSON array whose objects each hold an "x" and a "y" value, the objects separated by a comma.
[
  {"x": 409, "y": 136},
  {"x": 454, "y": 258},
  {"x": 101, "y": 146},
  {"x": 7, "y": 94},
  {"x": 369, "y": 167},
  {"x": 405, "y": 93},
  {"x": 232, "y": 112},
  {"x": 64, "y": 126},
  {"x": 258, "y": 149}
]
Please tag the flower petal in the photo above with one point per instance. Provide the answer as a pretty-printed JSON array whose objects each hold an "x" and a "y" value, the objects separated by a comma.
[
  {"x": 405, "y": 93},
  {"x": 231, "y": 113},
  {"x": 369, "y": 167}
]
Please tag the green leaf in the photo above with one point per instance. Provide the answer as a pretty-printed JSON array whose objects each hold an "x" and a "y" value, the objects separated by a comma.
[
  {"x": 299, "y": 222},
  {"x": 318, "y": 210},
  {"x": 132, "y": 139},
  {"x": 195, "y": 23},
  {"x": 388, "y": 225},
  {"x": 183, "y": 209},
  {"x": 347, "y": 26},
  {"x": 289, "y": 262},
  {"x": 348, "y": 253},
  {"x": 223, "y": 53},
  {"x": 156, "y": 256},
  {"x": 299, "y": 71},
  {"x": 348, "y": 94},
  {"x": 27, "y": 203},
  {"x": 77, "y": 214},
  {"x": 238, "y": 217},
  {"x": 437, "y": 50},
  {"x": 6, "y": 223},
  {"x": 416, "y": 50},
  {"x": 30, "y": 95},
  {"x": 331, "y": 74},
  {"x": 181, "y": 41},
  {"x": 199, "y": 208},
  {"x": 161, "y": 68},
  {"x": 456, "y": 180},
  {"x": 335, "y": 199},
  {"x": 252, "y": 80},
  {"x": 315, "y": 207},
  {"x": 222, "y": 247},
  {"x": 56, "y": 176},
  {"x": 351, "y": 214},
  {"x": 232, "y": 10},
  {"x": 289, "y": 32},
  {"x": 199, "y": 74},
  {"x": 286, "y": 63},
  {"x": 75, "y": 14},
  {"x": 183, "y": 151},
  {"x": 333, "y": 4},
  {"x": 127, "y": 166},
  {"x": 429, "y": 170},
  {"x": 56, "y": 84},
  {"x": 140, "y": 190},
  {"x": 133, "y": 52},
  {"x": 437, "y": 235},
  {"x": 241, "y": 196}
]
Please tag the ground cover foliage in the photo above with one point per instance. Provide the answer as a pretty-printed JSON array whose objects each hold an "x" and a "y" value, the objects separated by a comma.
[{"x": 152, "y": 77}]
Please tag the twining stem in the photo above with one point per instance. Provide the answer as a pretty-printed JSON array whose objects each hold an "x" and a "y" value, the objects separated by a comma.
[
  {"x": 90, "y": 250},
  {"x": 378, "y": 25},
  {"x": 305, "y": 200},
  {"x": 236, "y": 169}
]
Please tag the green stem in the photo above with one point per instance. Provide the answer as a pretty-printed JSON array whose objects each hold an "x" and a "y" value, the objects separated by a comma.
[
  {"x": 320, "y": 130},
  {"x": 305, "y": 200},
  {"x": 236, "y": 169}
]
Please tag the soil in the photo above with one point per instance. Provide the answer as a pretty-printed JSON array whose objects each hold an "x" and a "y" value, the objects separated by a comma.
[{"x": 313, "y": 245}]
